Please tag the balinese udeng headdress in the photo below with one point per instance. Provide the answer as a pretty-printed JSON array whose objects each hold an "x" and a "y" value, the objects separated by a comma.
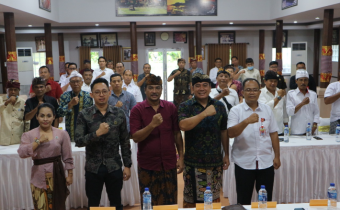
[
  {"x": 153, "y": 80},
  {"x": 13, "y": 84},
  {"x": 198, "y": 77}
]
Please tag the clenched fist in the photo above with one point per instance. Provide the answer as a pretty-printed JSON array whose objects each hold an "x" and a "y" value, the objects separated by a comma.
[
  {"x": 305, "y": 101},
  {"x": 74, "y": 101},
  {"x": 119, "y": 104},
  {"x": 156, "y": 120},
  {"x": 253, "y": 118},
  {"x": 12, "y": 100},
  {"x": 102, "y": 74},
  {"x": 281, "y": 92},
  {"x": 210, "y": 111},
  {"x": 103, "y": 129},
  {"x": 225, "y": 91},
  {"x": 43, "y": 138}
]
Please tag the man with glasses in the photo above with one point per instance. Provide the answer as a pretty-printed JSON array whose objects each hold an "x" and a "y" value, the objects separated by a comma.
[
  {"x": 65, "y": 83},
  {"x": 72, "y": 102},
  {"x": 281, "y": 84},
  {"x": 254, "y": 128},
  {"x": 102, "y": 72},
  {"x": 213, "y": 72},
  {"x": 311, "y": 82},
  {"x": 102, "y": 129},
  {"x": 142, "y": 78}
]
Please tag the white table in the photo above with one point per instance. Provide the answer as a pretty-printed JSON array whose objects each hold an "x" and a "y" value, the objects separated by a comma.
[
  {"x": 295, "y": 205},
  {"x": 15, "y": 174},
  {"x": 307, "y": 169}
]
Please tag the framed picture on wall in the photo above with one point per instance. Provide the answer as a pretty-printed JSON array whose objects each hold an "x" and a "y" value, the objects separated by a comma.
[
  {"x": 40, "y": 44},
  {"x": 284, "y": 38},
  {"x": 45, "y": 5},
  {"x": 289, "y": 3},
  {"x": 202, "y": 52},
  {"x": 149, "y": 39},
  {"x": 335, "y": 36},
  {"x": 108, "y": 39},
  {"x": 126, "y": 53},
  {"x": 226, "y": 37},
  {"x": 180, "y": 37},
  {"x": 89, "y": 40}
]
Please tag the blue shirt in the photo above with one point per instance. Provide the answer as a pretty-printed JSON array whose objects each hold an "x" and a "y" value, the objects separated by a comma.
[
  {"x": 198, "y": 70},
  {"x": 128, "y": 101},
  {"x": 142, "y": 88}
]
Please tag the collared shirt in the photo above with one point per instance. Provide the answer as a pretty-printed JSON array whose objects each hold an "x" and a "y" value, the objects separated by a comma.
[
  {"x": 203, "y": 142},
  {"x": 182, "y": 82},
  {"x": 108, "y": 73},
  {"x": 134, "y": 90},
  {"x": 64, "y": 80},
  {"x": 142, "y": 88},
  {"x": 249, "y": 146},
  {"x": 280, "y": 113},
  {"x": 308, "y": 113},
  {"x": 128, "y": 101},
  {"x": 159, "y": 147},
  {"x": 32, "y": 103},
  {"x": 232, "y": 98},
  {"x": 197, "y": 70},
  {"x": 213, "y": 75},
  {"x": 12, "y": 121},
  {"x": 331, "y": 90},
  {"x": 105, "y": 148},
  {"x": 255, "y": 74},
  {"x": 311, "y": 83},
  {"x": 86, "y": 88},
  {"x": 85, "y": 101},
  {"x": 55, "y": 91}
]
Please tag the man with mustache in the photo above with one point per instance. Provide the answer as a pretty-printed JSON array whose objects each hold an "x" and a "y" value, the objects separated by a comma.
[
  {"x": 311, "y": 81},
  {"x": 302, "y": 105},
  {"x": 154, "y": 126}
]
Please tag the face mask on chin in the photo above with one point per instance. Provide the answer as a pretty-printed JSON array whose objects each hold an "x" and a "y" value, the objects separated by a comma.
[{"x": 250, "y": 68}]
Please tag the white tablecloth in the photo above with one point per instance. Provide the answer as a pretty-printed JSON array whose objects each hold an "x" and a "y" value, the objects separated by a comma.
[
  {"x": 15, "y": 174},
  {"x": 307, "y": 169},
  {"x": 295, "y": 205}
]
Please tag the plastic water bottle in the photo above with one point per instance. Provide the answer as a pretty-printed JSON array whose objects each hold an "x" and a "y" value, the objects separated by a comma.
[
  {"x": 332, "y": 196},
  {"x": 286, "y": 134},
  {"x": 263, "y": 198},
  {"x": 337, "y": 133},
  {"x": 208, "y": 198},
  {"x": 147, "y": 199},
  {"x": 309, "y": 132}
]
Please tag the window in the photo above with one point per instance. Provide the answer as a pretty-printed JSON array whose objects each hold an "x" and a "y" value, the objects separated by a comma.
[
  {"x": 286, "y": 58},
  {"x": 39, "y": 59},
  {"x": 95, "y": 53},
  {"x": 335, "y": 55}
]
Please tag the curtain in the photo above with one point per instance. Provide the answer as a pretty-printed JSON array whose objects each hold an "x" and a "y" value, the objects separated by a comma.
[
  {"x": 113, "y": 53},
  {"x": 239, "y": 50},
  {"x": 218, "y": 51},
  {"x": 84, "y": 54}
]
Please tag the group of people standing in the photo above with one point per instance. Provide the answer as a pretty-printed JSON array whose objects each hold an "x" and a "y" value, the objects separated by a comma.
[{"x": 103, "y": 109}]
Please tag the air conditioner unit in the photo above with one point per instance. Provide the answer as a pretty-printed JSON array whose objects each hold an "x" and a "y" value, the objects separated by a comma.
[
  {"x": 299, "y": 54},
  {"x": 25, "y": 65}
]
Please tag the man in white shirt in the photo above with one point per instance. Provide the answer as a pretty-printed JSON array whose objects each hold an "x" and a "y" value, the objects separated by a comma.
[
  {"x": 250, "y": 71},
  {"x": 102, "y": 72},
  {"x": 120, "y": 68},
  {"x": 87, "y": 76},
  {"x": 332, "y": 96},
  {"x": 275, "y": 99},
  {"x": 254, "y": 128},
  {"x": 302, "y": 105},
  {"x": 65, "y": 78},
  {"x": 213, "y": 72},
  {"x": 129, "y": 86}
]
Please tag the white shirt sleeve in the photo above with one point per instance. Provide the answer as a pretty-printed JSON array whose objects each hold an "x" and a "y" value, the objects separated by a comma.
[
  {"x": 330, "y": 90},
  {"x": 285, "y": 115},
  {"x": 259, "y": 76},
  {"x": 263, "y": 100},
  {"x": 273, "y": 124},
  {"x": 64, "y": 82},
  {"x": 212, "y": 75},
  {"x": 316, "y": 111},
  {"x": 139, "y": 97},
  {"x": 290, "y": 106},
  {"x": 233, "y": 117}
]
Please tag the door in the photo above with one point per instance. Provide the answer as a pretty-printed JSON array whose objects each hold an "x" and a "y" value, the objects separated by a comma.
[{"x": 163, "y": 62}]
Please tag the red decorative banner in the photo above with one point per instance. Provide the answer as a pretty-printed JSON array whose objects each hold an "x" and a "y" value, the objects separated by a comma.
[
  {"x": 278, "y": 56},
  {"x": 12, "y": 56},
  {"x": 325, "y": 77},
  {"x": 327, "y": 50},
  {"x": 262, "y": 72},
  {"x": 134, "y": 57},
  {"x": 262, "y": 56},
  {"x": 199, "y": 58},
  {"x": 61, "y": 58},
  {"x": 135, "y": 77},
  {"x": 49, "y": 60}
]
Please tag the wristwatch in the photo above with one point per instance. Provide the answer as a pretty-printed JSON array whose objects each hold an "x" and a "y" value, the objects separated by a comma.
[
  {"x": 37, "y": 141},
  {"x": 279, "y": 97}
]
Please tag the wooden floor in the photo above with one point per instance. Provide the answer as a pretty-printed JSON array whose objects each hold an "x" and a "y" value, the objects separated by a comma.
[{"x": 224, "y": 201}]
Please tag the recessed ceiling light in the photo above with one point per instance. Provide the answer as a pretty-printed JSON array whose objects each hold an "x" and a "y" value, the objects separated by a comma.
[
  {"x": 29, "y": 25},
  {"x": 317, "y": 18},
  {"x": 231, "y": 23},
  {"x": 295, "y": 21},
  {"x": 163, "y": 24},
  {"x": 96, "y": 24}
]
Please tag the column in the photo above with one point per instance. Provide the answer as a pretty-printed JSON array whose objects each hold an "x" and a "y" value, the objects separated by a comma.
[
  {"x": 339, "y": 57},
  {"x": 12, "y": 64},
  {"x": 326, "y": 53},
  {"x": 262, "y": 58},
  {"x": 2, "y": 62},
  {"x": 199, "y": 44},
  {"x": 316, "y": 56},
  {"x": 278, "y": 44},
  {"x": 134, "y": 50},
  {"x": 61, "y": 54},
  {"x": 191, "y": 46},
  {"x": 48, "y": 45}
]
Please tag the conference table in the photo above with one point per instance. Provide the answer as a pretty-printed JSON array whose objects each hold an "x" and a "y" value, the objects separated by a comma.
[
  {"x": 15, "y": 174},
  {"x": 307, "y": 169}
]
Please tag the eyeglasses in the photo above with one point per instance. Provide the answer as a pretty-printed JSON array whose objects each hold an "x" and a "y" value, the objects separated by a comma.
[
  {"x": 72, "y": 68},
  {"x": 254, "y": 90},
  {"x": 104, "y": 92},
  {"x": 75, "y": 82}
]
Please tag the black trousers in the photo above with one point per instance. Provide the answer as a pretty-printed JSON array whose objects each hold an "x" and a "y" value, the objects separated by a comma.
[
  {"x": 245, "y": 180},
  {"x": 113, "y": 183}
]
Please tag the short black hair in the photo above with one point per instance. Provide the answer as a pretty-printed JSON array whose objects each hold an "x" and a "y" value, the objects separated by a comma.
[
  {"x": 116, "y": 75},
  {"x": 109, "y": 61},
  {"x": 67, "y": 63},
  {"x": 218, "y": 59},
  {"x": 273, "y": 63},
  {"x": 87, "y": 70},
  {"x": 46, "y": 105},
  {"x": 234, "y": 57},
  {"x": 99, "y": 80},
  {"x": 250, "y": 79},
  {"x": 42, "y": 67},
  {"x": 102, "y": 58},
  {"x": 271, "y": 75},
  {"x": 127, "y": 70},
  {"x": 181, "y": 59},
  {"x": 70, "y": 64},
  {"x": 38, "y": 81},
  {"x": 301, "y": 63},
  {"x": 249, "y": 60},
  {"x": 120, "y": 62}
]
